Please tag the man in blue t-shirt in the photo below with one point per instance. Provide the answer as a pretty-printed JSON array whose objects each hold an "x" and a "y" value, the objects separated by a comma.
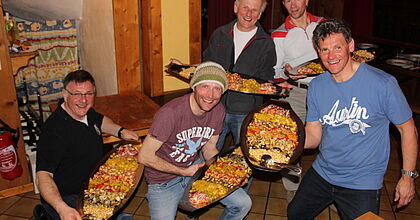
[{"x": 349, "y": 110}]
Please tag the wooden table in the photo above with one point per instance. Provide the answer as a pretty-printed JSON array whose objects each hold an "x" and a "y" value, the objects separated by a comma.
[
  {"x": 133, "y": 110},
  {"x": 409, "y": 79}
]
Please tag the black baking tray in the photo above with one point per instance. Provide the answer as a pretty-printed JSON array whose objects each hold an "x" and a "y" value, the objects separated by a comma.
[
  {"x": 174, "y": 70},
  {"x": 301, "y": 136},
  {"x": 185, "y": 204},
  {"x": 139, "y": 172},
  {"x": 278, "y": 91}
]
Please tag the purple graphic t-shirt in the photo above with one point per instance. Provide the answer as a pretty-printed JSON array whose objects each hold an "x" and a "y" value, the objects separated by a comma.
[{"x": 183, "y": 134}]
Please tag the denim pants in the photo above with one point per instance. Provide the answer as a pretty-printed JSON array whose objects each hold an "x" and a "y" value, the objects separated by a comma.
[
  {"x": 231, "y": 123},
  {"x": 315, "y": 194},
  {"x": 51, "y": 213},
  {"x": 71, "y": 201},
  {"x": 163, "y": 200}
]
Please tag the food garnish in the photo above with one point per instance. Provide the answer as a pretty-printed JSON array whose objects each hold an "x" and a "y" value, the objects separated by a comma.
[
  {"x": 311, "y": 68},
  {"x": 187, "y": 72},
  {"x": 272, "y": 132},
  {"x": 111, "y": 183},
  {"x": 363, "y": 55},
  {"x": 222, "y": 176},
  {"x": 238, "y": 83}
]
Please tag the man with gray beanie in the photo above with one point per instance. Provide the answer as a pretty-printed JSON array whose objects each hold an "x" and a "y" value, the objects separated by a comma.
[
  {"x": 181, "y": 130},
  {"x": 241, "y": 46}
]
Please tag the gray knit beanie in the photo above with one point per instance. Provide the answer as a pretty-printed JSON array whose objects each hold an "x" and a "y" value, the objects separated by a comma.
[{"x": 209, "y": 72}]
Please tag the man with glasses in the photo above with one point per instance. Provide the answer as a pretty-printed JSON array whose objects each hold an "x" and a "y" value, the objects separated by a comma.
[{"x": 71, "y": 145}]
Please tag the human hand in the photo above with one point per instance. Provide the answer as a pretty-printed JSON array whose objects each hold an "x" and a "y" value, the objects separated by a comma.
[
  {"x": 285, "y": 85},
  {"x": 287, "y": 69},
  {"x": 404, "y": 191},
  {"x": 244, "y": 182},
  {"x": 175, "y": 61},
  {"x": 129, "y": 135},
  {"x": 68, "y": 213},
  {"x": 191, "y": 170},
  {"x": 286, "y": 88}
]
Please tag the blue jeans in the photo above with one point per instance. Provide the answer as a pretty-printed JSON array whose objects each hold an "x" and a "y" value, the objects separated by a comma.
[
  {"x": 315, "y": 194},
  {"x": 51, "y": 213},
  {"x": 71, "y": 201},
  {"x": 163, "y": 200},
  {"x": 232, "y": 123}
]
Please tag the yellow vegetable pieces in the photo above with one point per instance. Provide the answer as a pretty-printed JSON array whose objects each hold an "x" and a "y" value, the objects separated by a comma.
[
  {"x": 278, "y": 119},
  {"x": 120, "y": 163},
  {"x": 213, "y": 190}
]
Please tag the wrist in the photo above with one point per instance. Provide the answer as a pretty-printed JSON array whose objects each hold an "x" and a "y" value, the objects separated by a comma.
[
  {"x": 119, "y": 133},
  {"x": 409, "y": 174},
  {"x": 406, "y": 178}
]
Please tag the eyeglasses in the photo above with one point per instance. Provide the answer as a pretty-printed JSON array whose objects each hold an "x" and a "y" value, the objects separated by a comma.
[{"x": 80, "y": 95}]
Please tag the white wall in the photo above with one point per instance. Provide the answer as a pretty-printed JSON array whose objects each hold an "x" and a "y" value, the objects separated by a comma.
[{"x": 42, "y": 10}]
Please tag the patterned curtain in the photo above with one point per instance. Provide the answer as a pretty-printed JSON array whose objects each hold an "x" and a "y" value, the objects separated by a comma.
[{"x": 56, "y": 44}]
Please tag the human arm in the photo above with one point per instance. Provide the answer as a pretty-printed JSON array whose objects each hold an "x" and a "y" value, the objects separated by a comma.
[
  {"x": 265, "y": 61},
  {"x": 175, "y": 61},
  {"x": 405, "y": 189},
  {"x": 109, "y": 127},
  {"x": 280, "y": 65},
  {"x": 313, "y": 130},
  {"x": 147, "y": 156},
  {"x": 210, "y": 53},
  {"x": 51, "y": 195},
  {"x": 210, "y": 150}
]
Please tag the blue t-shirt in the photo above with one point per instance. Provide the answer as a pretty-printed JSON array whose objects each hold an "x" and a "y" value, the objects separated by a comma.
[{"x": 355, "y": 116}]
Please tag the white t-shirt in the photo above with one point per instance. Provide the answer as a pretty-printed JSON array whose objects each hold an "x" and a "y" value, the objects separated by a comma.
[{"x": 240, "y": 39}]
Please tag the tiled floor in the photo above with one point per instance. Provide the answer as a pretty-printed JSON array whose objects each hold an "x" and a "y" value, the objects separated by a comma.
[{"x": 267, "y": 193}]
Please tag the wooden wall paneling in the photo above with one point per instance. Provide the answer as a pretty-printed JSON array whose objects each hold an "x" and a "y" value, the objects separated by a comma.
[
  {"x": 9, "y": 114},
  {"x": 327, "y": 8},
  {"x": 279, "y": 14},
  {"x": 127, "y": 45},
  {"x": 151, "y": 27},
  {"x": 324, "y": 8},
  {"x": 195, "y": 30}
]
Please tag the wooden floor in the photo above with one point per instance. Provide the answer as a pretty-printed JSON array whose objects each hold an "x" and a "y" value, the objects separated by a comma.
[{"x": 267, "y": 193}]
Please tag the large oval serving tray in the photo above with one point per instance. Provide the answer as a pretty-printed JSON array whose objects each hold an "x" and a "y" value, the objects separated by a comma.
[
  {"x": 301, "y": 137},
  {"x": 176, "y": 70},
  {"x": 277, "y": 92},
  {"x": 294, "y": 71},
  {"x": 185, "y": 201},
  {"x": 137, "y": 177}
]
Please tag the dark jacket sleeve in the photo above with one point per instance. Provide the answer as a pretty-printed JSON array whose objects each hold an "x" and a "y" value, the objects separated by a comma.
[
  {"x": 211, "y": 50},
  {"x": 268, "y": 61}
]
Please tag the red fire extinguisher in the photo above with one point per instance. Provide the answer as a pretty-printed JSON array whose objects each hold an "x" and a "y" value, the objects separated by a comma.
[{"x": 10, "y": 167}]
